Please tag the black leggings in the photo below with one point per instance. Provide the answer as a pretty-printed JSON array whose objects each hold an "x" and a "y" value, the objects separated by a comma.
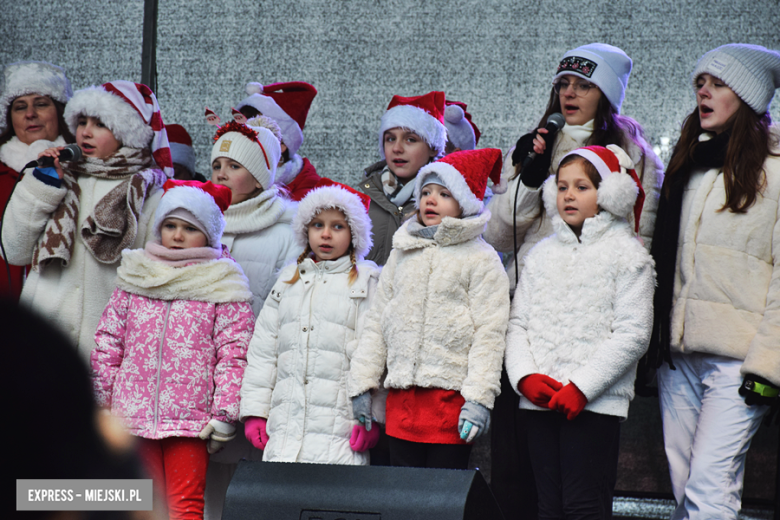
[
  {"x": 574, "y": 463},
  {"x": 422, "y": 455}
]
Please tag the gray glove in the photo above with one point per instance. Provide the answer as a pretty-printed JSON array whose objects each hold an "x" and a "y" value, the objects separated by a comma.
[
  {"x": 361, "y": 409},
  {"x": 218, "y": 433},
  {"x": 474, "y": 420}
]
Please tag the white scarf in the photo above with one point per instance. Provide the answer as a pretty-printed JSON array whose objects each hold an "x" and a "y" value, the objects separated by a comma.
[
  {"x": 257, "y": 213},
  {"x": 16, "y": 154}
]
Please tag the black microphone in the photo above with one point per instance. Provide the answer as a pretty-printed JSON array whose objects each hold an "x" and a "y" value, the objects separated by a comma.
[
  {"x": 554, "y": 123},
  {"x": 71, "y": 152}
]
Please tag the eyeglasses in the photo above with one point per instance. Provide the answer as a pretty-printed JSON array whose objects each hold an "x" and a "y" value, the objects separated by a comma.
[{"x": 581, "y": 88}]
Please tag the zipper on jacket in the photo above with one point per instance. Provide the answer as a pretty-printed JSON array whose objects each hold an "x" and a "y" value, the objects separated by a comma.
[{"x": 159, "y": 367}]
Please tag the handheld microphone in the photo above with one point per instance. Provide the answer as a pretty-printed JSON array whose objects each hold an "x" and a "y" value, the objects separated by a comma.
[
  {"x": 554, "y": 123},
  {"x": 71, "y": 152}
]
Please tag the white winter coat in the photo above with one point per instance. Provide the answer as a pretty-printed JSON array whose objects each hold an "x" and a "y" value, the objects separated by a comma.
[
  {"x": 583, "y": 312},
  {"x": 727, "y": 284},
  {"x": 299, "y": 358},
  {"x": 259, "y": 235},
  {"x": 531, "y": 228},
  {"x": 440, "y": 315},
  {"x": 72, "y": 297}
]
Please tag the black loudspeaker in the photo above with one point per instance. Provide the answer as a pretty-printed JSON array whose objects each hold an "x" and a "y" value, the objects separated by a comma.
[{"x": 285, "y": 491}]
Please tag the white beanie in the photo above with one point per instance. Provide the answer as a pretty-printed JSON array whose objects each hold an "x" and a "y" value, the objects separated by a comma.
[
  {"x": 33, "y": 77},
  {"x": 202, "y": 204},
  {"x": 605, "y": 66},
  {"x": 751, "y": 71},
  {"x": 255, "y": 148}
]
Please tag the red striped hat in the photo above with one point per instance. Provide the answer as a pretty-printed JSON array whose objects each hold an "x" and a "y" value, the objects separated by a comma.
[{"x": 130, "y": 110}]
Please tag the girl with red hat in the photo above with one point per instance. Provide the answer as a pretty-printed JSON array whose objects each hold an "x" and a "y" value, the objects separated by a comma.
[
  {"x": 172, "y": 341},
  {"x": 581, "y": 320}
]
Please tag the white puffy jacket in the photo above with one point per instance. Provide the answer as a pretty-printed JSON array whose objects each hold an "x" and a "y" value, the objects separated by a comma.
[{"x": 299, "y": 358}]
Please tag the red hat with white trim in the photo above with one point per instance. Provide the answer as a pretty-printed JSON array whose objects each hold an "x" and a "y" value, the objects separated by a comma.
[
  {"x": 130, "y": 110},
  {"x": 202, "y": 204},
  {"x": 618, "y": 194},
  {"x": 423, "y": 115},
  {"x": 465, "y": 174},
  {"x": 461, "y": 130},
  {"x": 286, "y": 103}
]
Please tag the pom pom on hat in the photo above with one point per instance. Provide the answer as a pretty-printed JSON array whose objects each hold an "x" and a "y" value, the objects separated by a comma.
[
  {"x": 286, "y": 103},
  {"x": 423, "y": 115},
  {"x": 328, "y": 194},
  {"x": 465, "y": 174},
  {"x": 255, "y": 148},
  {"x": 620, "y": 190},
  {"x": 606, "y": 66},
  {"x": 205, "y": 201},
  {"x": 32, "y": 77},
  {"x": 130, "y": 110},
  {"x": 461, "y": 130},
  {"x": 180, "y": 143},
  {"x": 751, "y": 71}
]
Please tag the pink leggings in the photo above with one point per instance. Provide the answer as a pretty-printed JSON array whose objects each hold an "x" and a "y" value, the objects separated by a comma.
[{"x": 178, "y": 467}]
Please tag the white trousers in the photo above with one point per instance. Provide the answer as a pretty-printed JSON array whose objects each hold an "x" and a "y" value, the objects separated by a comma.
[{"x": 707, "y": 432}]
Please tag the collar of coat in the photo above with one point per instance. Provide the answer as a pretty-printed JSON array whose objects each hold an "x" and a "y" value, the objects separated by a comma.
[
  {"x": 16, "y": 154},
  {"x": 215, "y": 281},
  {"x": 593, "y": 229},
  {"x": 451, "y": 231},
  {"x": 309, "y": 269}
]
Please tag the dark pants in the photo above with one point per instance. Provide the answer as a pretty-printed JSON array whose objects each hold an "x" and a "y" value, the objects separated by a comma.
[
  {"x": 511, "y": 477},
  {"x": 574, "y": 462},
  {"x": 421, "y": 455}
]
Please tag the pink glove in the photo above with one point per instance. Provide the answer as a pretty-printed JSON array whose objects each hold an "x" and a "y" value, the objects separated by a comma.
[
  {"x": 362, "y": 439},
  {"x": 254, "y": 429},
  {"x": 539, "y": 388},
  {"x": 569, "y": 400}
]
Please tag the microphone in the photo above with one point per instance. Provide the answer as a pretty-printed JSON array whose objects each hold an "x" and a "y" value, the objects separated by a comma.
[
  {"x": 71, "y": 152},
  {"x": 554, "y": 123}
]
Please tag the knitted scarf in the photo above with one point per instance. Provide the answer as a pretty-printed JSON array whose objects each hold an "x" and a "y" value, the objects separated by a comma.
[
  {"x": 181, "y": 257},
  {"x": 706, "y": 155},
  {"x": 397, "y": 194},
  {"x": 113, "y": 224}
]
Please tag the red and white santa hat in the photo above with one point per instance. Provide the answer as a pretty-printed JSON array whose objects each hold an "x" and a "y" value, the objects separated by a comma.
[
  {"x": 181, "y": 147},
  {"x": 423, "y": 115},
  {"x": 620, "y": 190},
  {"x": 130, "y": 111},
  {"x": 286, "y": 103},
  {"x": 328, "y": 194},
  {"x": 465, "y": 174},
  {"x": 461, "y": 130},
  {"x": 202, "y": 204}
]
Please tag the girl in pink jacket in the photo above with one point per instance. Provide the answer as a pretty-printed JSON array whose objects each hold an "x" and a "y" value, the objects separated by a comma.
[{"x": 172, "y": 342}]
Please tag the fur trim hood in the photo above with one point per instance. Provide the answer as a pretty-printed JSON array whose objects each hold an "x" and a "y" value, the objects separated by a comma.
[
  {"x": 118, "y": 115},
  {"x": 334, "y": 197},
  {"x": 451, "y": 231}
]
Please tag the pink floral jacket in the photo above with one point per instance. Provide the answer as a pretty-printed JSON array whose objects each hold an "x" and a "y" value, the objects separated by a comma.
[{"x": 170, "y": 356}]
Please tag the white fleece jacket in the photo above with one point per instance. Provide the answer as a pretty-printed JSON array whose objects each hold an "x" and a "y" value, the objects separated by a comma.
[
  {"x": 440, "y": 316},
  {"x": 583, "y": 312}
]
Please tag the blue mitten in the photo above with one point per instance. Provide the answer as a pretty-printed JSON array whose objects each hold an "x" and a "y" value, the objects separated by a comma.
[
  {"x": 474, "y": 420},
  {"x": 361, "y": 409}
]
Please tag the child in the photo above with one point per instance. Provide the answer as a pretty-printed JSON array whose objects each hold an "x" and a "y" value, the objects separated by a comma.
[
  {"x": 288, "y": 105},
  {"x": 411, "y": 134},
  {"x": 73, "y": 221},
  {"x": 171, "y": 344},
  {"x": 439, "y": 321},
  {"x": 581, "y": 319},
  {"x": 294, "y": 397}
]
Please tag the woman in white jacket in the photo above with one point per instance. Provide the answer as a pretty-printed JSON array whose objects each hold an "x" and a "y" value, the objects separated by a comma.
[
  {"x": 581, "y": 320},
  {"x": 717, "y": 306},
  {"x": 294, "y": 395}
]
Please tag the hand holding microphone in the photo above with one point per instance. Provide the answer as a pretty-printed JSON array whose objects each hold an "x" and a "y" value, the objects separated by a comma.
[{"x": 51, "y": 157}]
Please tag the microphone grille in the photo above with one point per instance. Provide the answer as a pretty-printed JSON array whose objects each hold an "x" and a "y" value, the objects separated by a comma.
[
  {"x": 556, "y": 119},
  {"x": 75, "y": 152}
]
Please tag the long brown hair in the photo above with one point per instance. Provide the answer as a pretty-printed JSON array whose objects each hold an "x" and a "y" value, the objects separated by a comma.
[
  {"x": 743, "y": 169},
  {"x": 62, "y": 126}
]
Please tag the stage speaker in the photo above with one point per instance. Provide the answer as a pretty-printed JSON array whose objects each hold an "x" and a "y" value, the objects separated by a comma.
[{"x": 285, "y": 491}]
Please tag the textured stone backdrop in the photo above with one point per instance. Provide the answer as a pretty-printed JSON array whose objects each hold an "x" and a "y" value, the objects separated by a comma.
[{"x": 497, "y": 56}]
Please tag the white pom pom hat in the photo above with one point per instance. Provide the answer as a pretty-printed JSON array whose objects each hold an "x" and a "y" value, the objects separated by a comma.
[
  {"x": 620, "y": 191},
  {"x": 328, "y": 194}
]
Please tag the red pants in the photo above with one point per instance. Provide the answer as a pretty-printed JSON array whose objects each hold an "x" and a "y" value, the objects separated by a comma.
[{"x": 178, "y": 467}]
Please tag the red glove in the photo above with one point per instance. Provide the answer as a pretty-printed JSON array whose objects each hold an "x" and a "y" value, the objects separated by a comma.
[
  {"x": 254, "y": 429},
  {"x": 362, "y": 439},
  {"x": 539, "y": 388},
  {"x": 570, "y": 400}
]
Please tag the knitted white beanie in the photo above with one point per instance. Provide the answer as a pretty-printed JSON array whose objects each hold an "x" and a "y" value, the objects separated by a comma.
[
  {"x": 603, "y": 65},
  {"x": 255, "y": 148},
  {"x": 751, "y": 71}
]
